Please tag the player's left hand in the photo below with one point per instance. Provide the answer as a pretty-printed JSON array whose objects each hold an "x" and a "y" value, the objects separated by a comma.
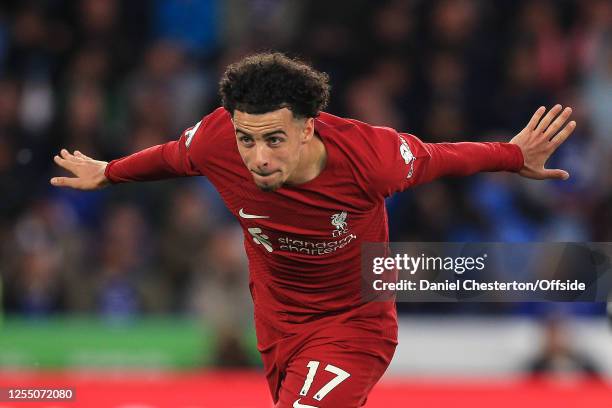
[{"x": 540, "y": 138}]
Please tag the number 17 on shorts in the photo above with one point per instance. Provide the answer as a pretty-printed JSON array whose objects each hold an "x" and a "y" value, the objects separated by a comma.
[
  {"x": 330, "y": 376},
  {"x": 313, "y": 366}
]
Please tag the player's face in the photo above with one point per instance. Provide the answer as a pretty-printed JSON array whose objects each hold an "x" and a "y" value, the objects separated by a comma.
[{"x": 271, "y": 145}]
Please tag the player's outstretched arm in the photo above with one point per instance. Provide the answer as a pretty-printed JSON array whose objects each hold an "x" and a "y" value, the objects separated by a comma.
[
  {"x": 540, "y": 138},
  {"x": 89, "y": 173}
]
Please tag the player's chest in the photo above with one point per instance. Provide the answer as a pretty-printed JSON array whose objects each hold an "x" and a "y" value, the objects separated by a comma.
[{"x": 299, "y": 220}]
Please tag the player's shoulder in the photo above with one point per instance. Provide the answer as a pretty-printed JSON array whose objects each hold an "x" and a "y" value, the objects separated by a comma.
[
  {"x": 212, "y": 127},
  {"x": 362, "y": 151},
  {"x": 346, "y": 125},
  {"x": 352, "y": 131},
  {"x": 219, "y": 119},
  {"x": 363, "y": 144},
  {"x": 211, "y": 146}
]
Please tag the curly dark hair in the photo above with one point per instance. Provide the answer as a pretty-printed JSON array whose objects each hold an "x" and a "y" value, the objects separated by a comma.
[{"x": 266, "y": 82}]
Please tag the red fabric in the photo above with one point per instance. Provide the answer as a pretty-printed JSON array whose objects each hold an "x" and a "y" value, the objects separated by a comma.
[
  {"x": 304, "y": 244},
  {"x": 350, "y": 362},
  {"x": 173, "y": 159}
]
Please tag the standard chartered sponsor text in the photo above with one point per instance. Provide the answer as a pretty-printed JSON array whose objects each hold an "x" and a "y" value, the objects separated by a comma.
[
  {"x": 473, "y": 285},
  {"x": 314, "y": 247}
]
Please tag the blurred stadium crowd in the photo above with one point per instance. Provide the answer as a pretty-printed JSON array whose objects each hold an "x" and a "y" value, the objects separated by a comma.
[{"x": 111, "y": 77}]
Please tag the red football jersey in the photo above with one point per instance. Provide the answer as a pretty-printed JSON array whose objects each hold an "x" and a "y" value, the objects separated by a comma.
[{"x": 303, "y": 241}]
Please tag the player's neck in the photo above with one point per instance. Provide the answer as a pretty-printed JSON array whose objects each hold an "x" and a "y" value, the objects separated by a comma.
[{"x": 312, "y": 162}]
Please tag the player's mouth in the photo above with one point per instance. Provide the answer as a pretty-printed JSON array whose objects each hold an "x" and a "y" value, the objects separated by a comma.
[
  {"x": 261, "y": 175},
  {"x": 266, "y": 181}
]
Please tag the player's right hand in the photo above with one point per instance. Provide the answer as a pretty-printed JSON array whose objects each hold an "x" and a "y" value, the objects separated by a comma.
[{"x": 89, "y": 172}]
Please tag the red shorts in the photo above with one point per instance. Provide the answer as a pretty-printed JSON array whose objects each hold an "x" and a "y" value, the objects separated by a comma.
[
  {"x": 331, "y": 375},
  {"x": 333, "y": 365}
]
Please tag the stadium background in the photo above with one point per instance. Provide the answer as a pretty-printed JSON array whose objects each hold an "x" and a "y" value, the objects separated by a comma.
[{"x": 137, "y": 294}]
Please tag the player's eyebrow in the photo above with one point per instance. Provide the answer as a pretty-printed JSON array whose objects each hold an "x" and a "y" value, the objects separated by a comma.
[{"x": 274, "y": 132}]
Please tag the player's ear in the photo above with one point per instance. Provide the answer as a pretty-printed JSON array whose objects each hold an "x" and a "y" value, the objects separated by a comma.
[{"x": 307, "y": 130}]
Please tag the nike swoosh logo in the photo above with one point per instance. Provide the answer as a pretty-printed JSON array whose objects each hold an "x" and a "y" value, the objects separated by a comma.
[
  {"x": 297, "y": 404},
  {"x": 250, "y": 216}
]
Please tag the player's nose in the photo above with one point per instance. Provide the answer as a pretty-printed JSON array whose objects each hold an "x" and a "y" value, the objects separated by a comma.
[{"x": 261, "y": 157}]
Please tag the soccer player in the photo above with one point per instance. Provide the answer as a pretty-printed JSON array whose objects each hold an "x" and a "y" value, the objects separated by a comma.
[{"x": 308, "y": 188}]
